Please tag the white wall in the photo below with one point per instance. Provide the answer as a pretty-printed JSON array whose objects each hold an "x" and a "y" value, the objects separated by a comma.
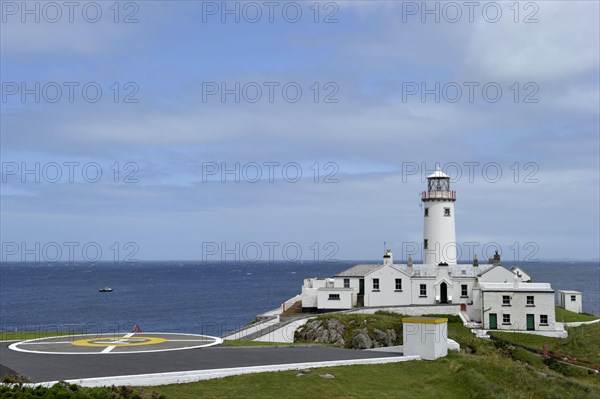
[
  {"x": 518, "y": 309},
  {"x": 309, "y": 291},
  {"x": 345, "y": 301},
  {"x": 430, "y": 298},
  {"x": 498, "y": 274},
  {"x": 387, "y": 294},
  {"x": 456, "y": 290},
  {"x": 440, "y": 232},
  {"x": 412, "y": 310},
  {"x": 564, "y": 301}
]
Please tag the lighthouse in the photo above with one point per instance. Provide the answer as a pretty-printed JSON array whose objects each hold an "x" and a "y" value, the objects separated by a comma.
[{"x": 439, "y": 234}]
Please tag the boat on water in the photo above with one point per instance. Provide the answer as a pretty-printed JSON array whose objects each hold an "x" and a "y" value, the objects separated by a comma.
[{"x": 106, "y": 289}]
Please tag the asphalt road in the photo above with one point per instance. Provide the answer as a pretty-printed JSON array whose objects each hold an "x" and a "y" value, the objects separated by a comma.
[{"x": 47, "y": 367}]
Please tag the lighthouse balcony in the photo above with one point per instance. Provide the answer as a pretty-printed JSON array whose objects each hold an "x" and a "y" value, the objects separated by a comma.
[{"x": 442, "y": 195}]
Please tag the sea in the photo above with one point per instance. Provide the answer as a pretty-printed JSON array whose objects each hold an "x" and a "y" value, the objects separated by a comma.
[{"x": 191, "y": 297}]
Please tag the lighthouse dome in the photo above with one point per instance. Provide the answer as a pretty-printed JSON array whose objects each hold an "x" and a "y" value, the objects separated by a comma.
[{"x": 438, "y": 174}]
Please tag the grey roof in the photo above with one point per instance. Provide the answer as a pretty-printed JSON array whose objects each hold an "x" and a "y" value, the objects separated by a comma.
[
  {"x": 527, "y": 287},
  {"x": 570, "y": 292},
  {"x": 359, "y": 270},
  {"x": 419, "y": 270}
]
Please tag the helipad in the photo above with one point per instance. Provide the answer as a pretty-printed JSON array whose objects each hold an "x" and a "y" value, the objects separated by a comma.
[{"x": 115, "y": 343}]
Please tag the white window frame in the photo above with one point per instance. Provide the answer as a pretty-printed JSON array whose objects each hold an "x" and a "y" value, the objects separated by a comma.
[{"x": 532, "y": 303}]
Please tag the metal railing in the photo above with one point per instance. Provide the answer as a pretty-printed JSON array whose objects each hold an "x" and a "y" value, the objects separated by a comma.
[{"x": 438, "y": 195}]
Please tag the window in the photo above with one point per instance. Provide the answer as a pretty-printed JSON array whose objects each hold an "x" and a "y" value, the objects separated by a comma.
[
  {"x": 505, "y": 300},
  {"x": 573, "y": 298},
  {"x": 375, "y": 284},
  {"x": 544, "y": 319},
  {"x": 423, "y": 290},
  {"x": 398, "y": 284},
  {"x": 464, "y": 291},
  {"x": 446, "y": 211},
  {"x": 505, "y": 319},
  {"x": 530, "y": 301},
  {"x": 425, "y": 242},
  {"x": 346, "y": 283},
  {"x": 426, "y": 212},
  {"x": 334, "y": 297}
]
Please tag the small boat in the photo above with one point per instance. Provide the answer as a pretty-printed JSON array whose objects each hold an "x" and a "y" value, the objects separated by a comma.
[{"x": 106, "y": 289}]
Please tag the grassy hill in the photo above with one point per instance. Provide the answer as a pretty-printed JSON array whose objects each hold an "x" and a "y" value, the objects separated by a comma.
[{"x": 482, "y": 369}]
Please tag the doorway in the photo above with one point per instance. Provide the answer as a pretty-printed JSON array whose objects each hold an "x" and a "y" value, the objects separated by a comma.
[
  {"x": 443, "y": 293},
  {"x": 530, "y": 322},
  {"x": 493, "y": 321}
]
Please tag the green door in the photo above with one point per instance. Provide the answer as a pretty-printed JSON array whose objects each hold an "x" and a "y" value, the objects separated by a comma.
[
  {"x": 493, "y": 321},
  {"x": 530, "y": 322}
]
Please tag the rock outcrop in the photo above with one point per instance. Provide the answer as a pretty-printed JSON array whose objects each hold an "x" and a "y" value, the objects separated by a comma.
[{"x": 353, "y": 334}]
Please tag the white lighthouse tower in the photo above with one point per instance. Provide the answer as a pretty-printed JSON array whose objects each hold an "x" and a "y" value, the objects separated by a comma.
[{"x": 439, "y": 234}]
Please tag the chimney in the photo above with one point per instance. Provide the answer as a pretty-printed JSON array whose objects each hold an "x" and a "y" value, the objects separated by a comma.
[
  {"x": 475, "y": 261},
  {"x": 496, "y": 259},
  {"x": 409, "y": 263},
  {"x": 516, "y": 281},
  {"x": 387, "y": 258}
]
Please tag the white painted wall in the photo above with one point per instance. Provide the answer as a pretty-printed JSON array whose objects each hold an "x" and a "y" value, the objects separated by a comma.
[
  {"x": 518, "y": 309},
  {"x": 411, "y": 310},
  {"x": 345, "y": 301},
  {"x": 498, "y": 274},
  {"x": 430, "y": 341},
  {"x": 564, "y": 301},
  {"x": 526, "y": 278},
  {"x": 430, "y": 285},
  {"x": 439, "y": 230},
  {"x": 387, "y": 294},
  {"x": 309, "y": 295},
  {"x": 283, "y": 334}
]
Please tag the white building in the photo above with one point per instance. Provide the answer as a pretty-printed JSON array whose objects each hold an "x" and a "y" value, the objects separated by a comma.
[
  {"x": 570, "y": 300},
  {"x": 489, "y": 294}
]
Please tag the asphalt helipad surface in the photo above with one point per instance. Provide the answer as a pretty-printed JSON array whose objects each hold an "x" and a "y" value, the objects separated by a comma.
[
  {"x": 114, "y": 343},
  {"x": 81, "y": 357}
]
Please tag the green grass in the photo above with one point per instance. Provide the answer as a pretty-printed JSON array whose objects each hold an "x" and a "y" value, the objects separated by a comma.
[
  {"x": 482, "y": 369},
  {"x": 566, "y": 316},
  {"x": 10, "y": 336},
  {"x": 456, "y": 376},
  {"x": 67, "y": 391},
  {"x": 583, "y": 341}
]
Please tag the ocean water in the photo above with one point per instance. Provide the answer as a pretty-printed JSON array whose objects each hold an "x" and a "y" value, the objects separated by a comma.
[{"x": 193, "y": 297}]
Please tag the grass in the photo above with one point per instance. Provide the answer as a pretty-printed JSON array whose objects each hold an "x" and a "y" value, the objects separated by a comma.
[
  {"x": 583, "y": 341},
  {"x": 482, "y": 369},
  {"x": 22, "y": 335},
  {"x": 566, "y": 316},
  {"x": 63, "y": 390},
  {"x": 457, "y": 376}
]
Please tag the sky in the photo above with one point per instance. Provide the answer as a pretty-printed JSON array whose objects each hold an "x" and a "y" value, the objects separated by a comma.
[{"x": 259, "y": 131}]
